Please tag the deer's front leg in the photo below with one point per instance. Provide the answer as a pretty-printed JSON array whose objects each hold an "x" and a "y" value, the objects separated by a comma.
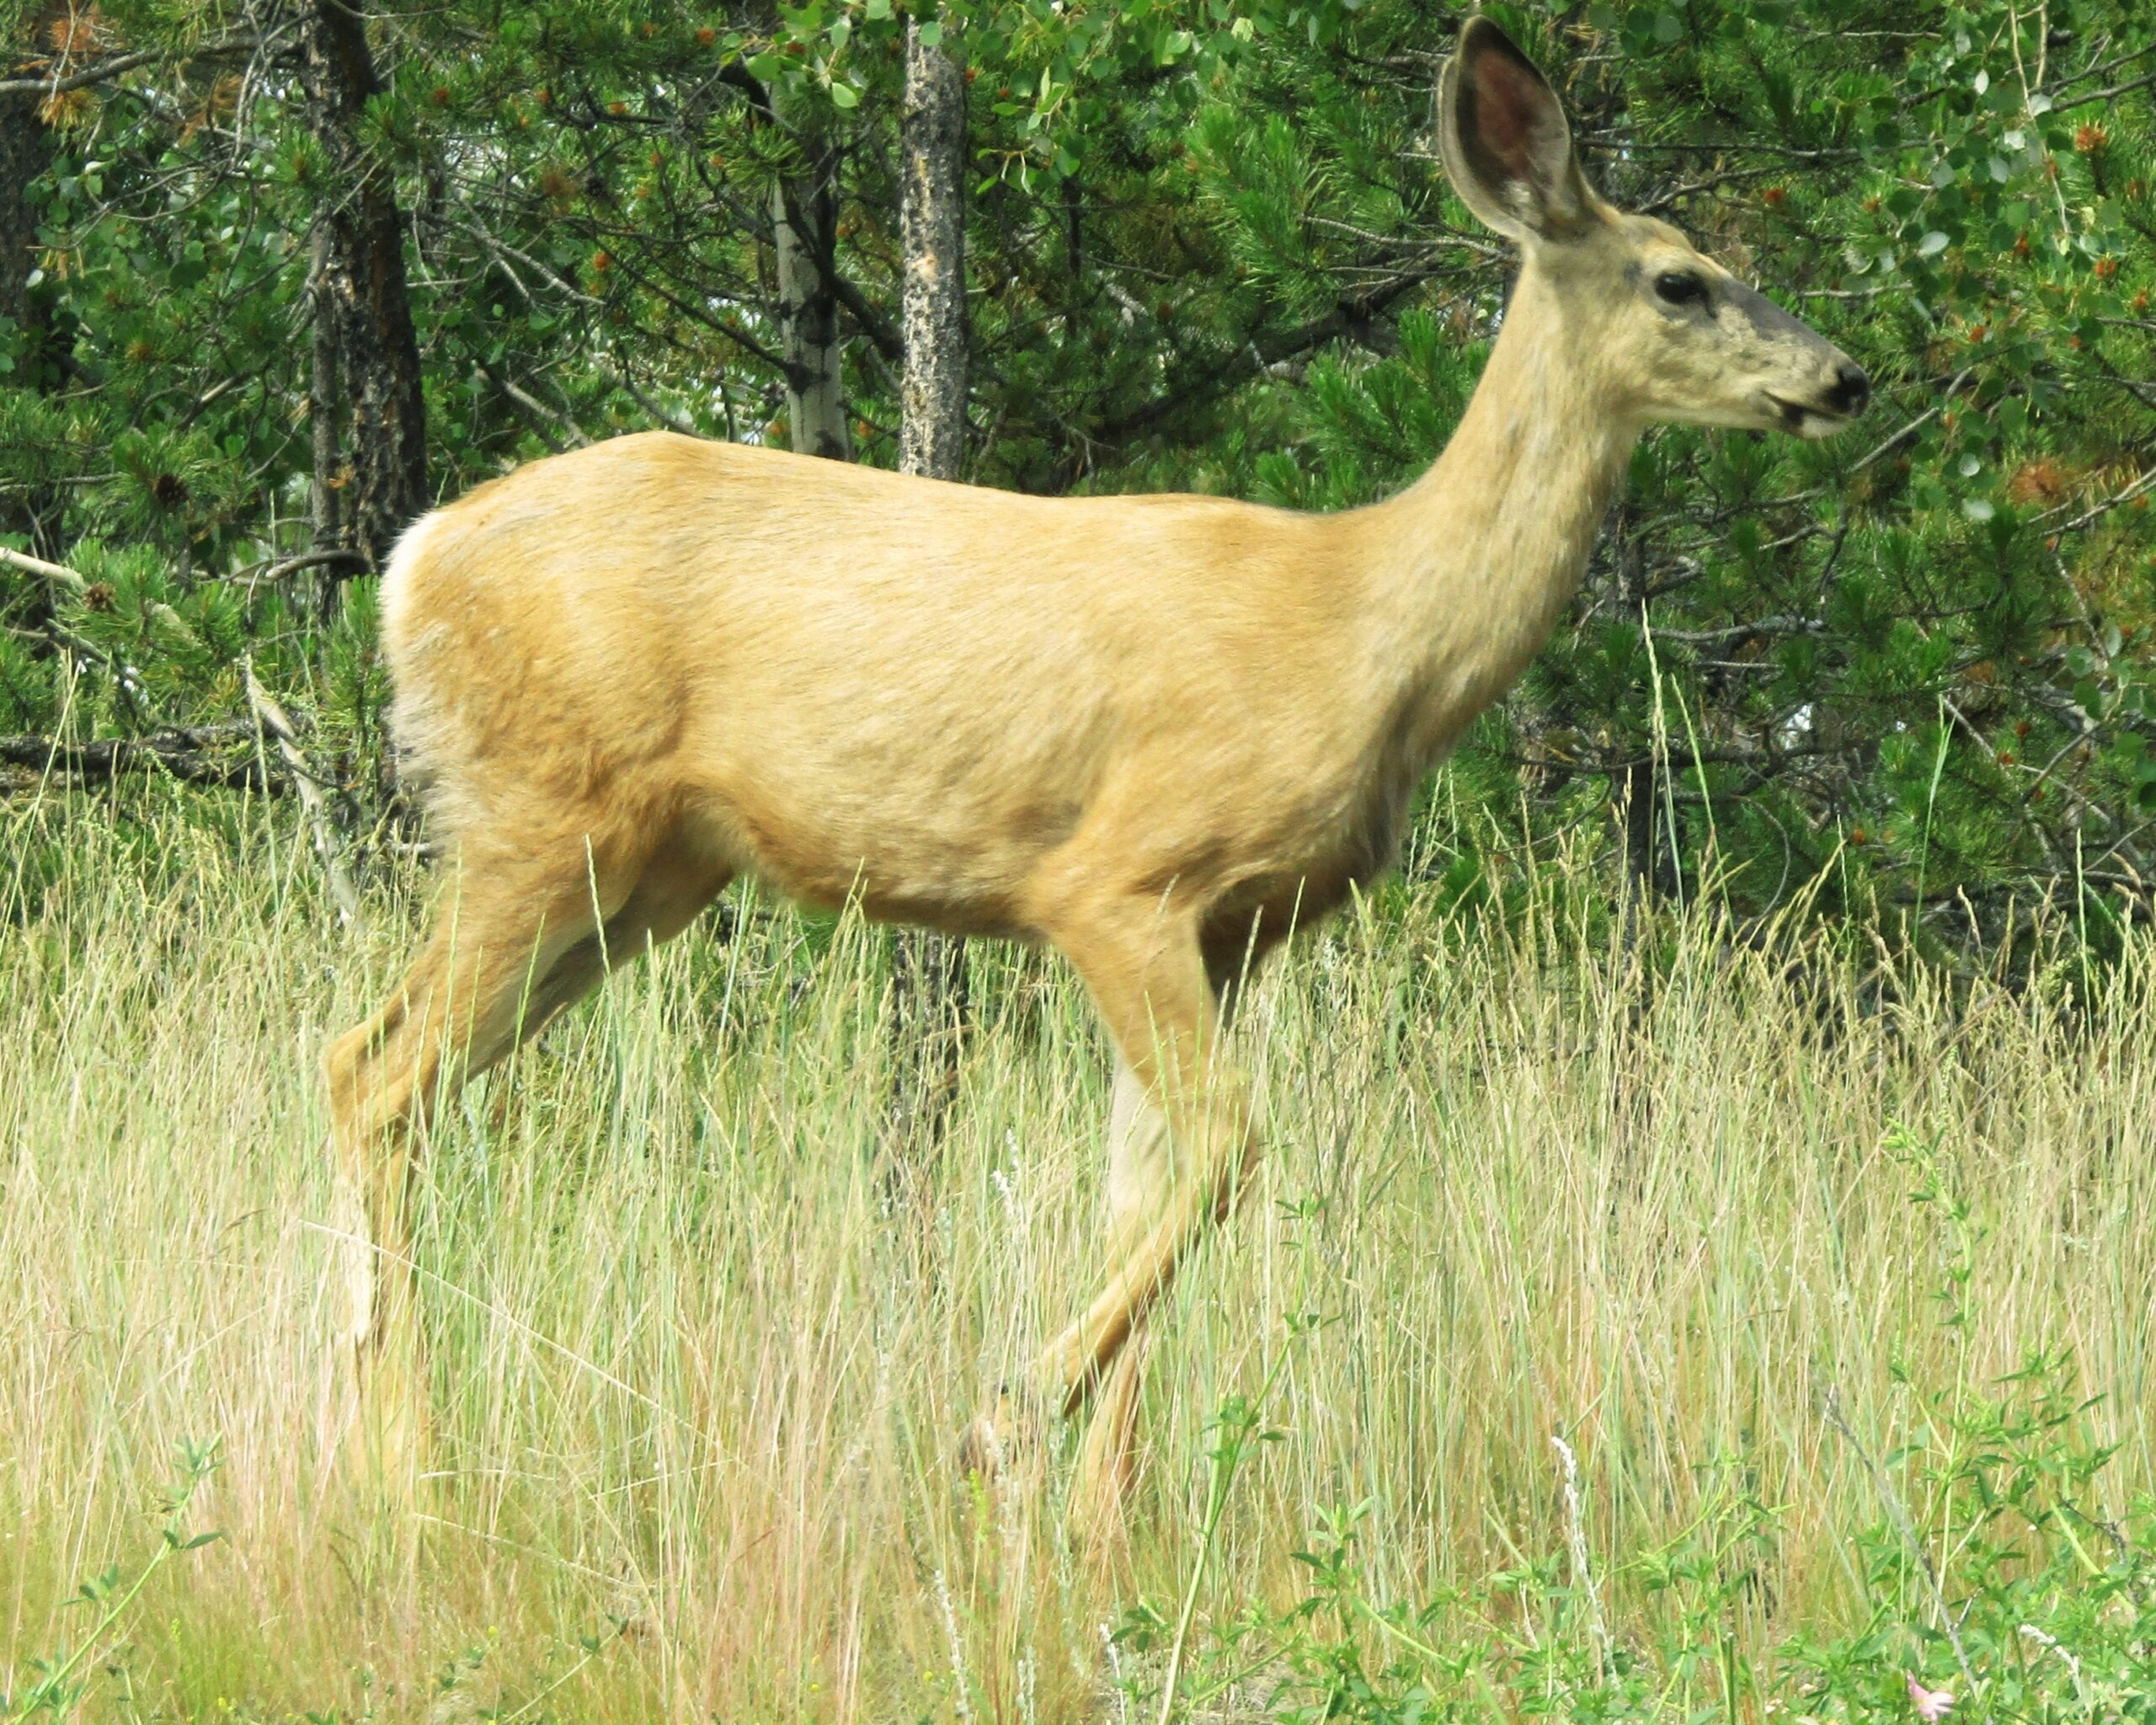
[{"x": 1182, "y": 1147}]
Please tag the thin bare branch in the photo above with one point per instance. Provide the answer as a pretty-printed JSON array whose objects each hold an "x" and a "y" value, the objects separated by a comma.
[{"x": 273, "y": 718}]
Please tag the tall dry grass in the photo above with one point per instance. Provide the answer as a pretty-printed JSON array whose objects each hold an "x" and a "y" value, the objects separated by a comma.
[{"x": 701, "y": 1344}]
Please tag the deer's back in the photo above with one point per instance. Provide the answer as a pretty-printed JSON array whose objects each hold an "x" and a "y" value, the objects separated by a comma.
[{"x": 851, "y": 680}]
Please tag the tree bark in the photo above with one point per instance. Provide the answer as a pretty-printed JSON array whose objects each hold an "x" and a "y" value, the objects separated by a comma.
[
  {"x": 928, "y": 974},
  {"x": 932, "y": 240},
  {"x": 381, "y": 475},
  {"x": 25, "y": 153},
  {"x": 804, "y": 227},
  {"x": 1637, "y": 801},
  {"x": 322, "y": 415}
]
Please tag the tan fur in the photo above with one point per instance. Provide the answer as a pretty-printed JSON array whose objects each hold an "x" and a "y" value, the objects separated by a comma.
[{"x": 1153, "y": 731}]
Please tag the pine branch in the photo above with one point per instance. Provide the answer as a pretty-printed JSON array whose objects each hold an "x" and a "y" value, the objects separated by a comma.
[
  {"x": 73, "y": 584},
  {"x": 1207, "y": 378},
  {"x": 120, "y": 65}
]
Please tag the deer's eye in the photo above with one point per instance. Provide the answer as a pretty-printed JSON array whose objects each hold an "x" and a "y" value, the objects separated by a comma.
[{"x": 1680, "y": 288}]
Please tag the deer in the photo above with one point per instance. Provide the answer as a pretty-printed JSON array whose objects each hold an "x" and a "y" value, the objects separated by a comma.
[{"x": 1156, "y": 733}]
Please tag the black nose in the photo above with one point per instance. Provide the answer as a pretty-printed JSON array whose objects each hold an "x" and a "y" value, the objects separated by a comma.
[{"x": 1852, "y": 389}]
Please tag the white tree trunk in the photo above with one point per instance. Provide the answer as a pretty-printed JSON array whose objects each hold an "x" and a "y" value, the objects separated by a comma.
[{"x": 804, "y": 224}]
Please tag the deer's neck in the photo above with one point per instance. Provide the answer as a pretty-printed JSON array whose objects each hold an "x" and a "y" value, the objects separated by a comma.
[{"x": 1472, "y": 565}]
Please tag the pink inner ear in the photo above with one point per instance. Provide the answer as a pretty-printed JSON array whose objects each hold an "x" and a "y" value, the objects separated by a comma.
[{"x": 1506, "y": 105}]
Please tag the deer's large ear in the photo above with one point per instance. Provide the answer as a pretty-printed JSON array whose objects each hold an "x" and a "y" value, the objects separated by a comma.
[{"x": 1501, "y": 132}]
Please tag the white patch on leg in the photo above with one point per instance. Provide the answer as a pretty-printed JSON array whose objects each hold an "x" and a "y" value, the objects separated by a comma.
[
  {"x": 1139, "y": 1151},
  {"x": 357, "y": 1269}
]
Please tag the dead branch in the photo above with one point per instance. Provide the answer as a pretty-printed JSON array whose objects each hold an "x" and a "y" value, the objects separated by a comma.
[
  {"x": 185, "y": 753},
  {"x": 119, "y": 66},
  {"x": 273, "y": 718}
]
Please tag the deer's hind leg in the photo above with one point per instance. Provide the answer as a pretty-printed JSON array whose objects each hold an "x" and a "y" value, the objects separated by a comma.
[
  {"x": 674, "y": 888},
  {"x": 1141, "y": 1174},
  {"x": 501, "y": 957}
]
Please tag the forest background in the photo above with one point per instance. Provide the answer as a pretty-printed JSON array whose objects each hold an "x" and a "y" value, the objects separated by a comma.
[{"x": 275, "y": 279}]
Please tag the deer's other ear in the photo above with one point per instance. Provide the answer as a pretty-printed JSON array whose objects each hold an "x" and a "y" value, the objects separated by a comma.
[{"x": 1501, "y": 132}]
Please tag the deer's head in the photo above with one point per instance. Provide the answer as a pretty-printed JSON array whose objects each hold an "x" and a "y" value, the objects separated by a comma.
[{"x": 1674, "y": 336}]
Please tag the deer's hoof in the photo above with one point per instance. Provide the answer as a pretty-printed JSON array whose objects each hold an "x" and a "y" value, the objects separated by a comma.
[{"x": 1002, "y": 1438}]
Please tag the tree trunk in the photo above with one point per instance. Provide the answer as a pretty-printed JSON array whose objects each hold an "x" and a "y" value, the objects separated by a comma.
[
  {"x": 25, "y": 153},
  {"x": 382, "y": 478},
  {"x": 805, "y": 227},
  {"x": 1637, "y": 800},
  {"x": 928, "y": 975},
  {"x": 932, "y": 240},
  {"x": 321, "y": 395}
]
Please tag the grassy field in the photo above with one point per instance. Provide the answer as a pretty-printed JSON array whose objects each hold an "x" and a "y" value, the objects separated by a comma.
[{"x": 1760, "y": 1245}]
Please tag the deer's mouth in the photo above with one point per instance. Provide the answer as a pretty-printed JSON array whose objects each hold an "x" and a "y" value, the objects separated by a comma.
[{"x": 1804, "y": 418}]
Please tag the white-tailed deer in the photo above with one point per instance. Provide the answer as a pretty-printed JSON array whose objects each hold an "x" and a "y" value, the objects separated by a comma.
[{"x": 1153, "y": 731}]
